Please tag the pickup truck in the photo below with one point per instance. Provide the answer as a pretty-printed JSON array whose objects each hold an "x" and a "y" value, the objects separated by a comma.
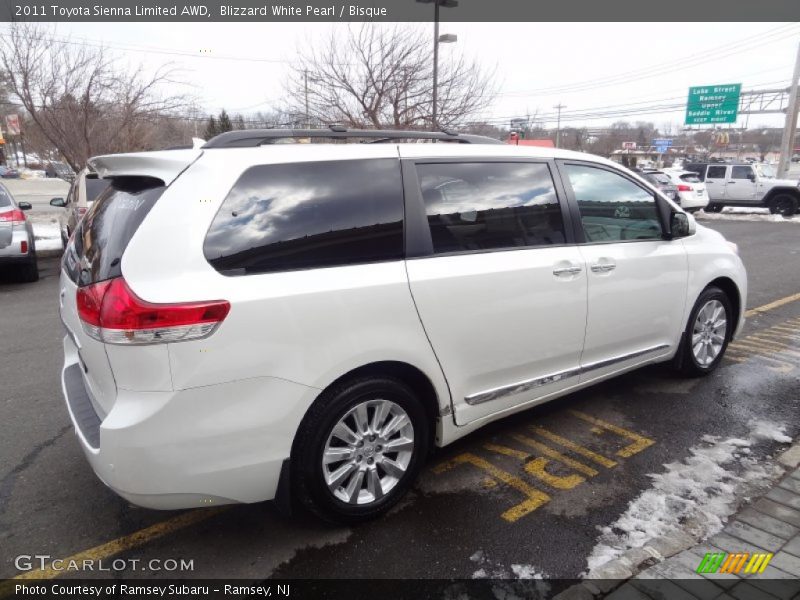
[{"x": 745, "y": 184}]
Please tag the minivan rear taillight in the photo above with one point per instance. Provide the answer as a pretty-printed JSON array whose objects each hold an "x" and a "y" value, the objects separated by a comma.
[{"x": 110, "y": 312}]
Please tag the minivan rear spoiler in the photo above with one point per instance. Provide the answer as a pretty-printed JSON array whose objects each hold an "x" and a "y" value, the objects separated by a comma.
[{"x": 165, "y": 165}]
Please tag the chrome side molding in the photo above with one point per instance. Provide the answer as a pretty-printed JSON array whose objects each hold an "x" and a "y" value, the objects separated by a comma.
[{"x": 529, "y": 384}]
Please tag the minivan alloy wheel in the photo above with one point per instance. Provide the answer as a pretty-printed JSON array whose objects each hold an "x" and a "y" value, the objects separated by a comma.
[
  {"x": 708, "y": 333},
  {"x": 368, "y": 451}
]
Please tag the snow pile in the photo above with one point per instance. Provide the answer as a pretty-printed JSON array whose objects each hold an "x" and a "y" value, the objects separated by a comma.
[
  {"x": 47, "y": 235},
  {"x": 744, "y": 214},
  {"x": 694, "y": 496},
  {"x": 494, "y": 570}
]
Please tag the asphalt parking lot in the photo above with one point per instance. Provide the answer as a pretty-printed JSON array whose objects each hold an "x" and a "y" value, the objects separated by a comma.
[{"x": 526, "y": 496}]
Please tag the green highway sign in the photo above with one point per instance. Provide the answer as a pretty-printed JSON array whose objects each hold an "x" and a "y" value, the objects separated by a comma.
[{"x": 709, "y": 104}]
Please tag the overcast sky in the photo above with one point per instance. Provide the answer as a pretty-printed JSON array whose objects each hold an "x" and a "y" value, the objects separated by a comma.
[{"x": 585, "y": 66}]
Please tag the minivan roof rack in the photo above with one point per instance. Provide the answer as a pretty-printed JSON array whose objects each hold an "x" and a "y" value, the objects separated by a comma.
[{"x": 250, "y": 138}]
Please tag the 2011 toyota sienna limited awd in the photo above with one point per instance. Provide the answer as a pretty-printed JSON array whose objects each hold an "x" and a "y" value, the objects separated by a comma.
[{"x": 255, "y": 319}]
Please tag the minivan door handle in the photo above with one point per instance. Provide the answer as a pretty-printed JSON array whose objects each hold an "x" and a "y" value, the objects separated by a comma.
[
  {"x": 574, "y": 270},
  {"x": 603, "y": 267}
]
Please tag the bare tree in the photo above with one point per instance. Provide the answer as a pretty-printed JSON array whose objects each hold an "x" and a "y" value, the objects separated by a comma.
[
  {"x": 375, "y": 76},
  {"x": 82, "y": 102}
]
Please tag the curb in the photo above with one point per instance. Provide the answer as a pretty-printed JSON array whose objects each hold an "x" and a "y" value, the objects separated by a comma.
[{"x": 617, "y": 571}]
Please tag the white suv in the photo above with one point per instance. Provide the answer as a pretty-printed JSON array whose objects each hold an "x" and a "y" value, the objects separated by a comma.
[{"x": 256, "y": 320}]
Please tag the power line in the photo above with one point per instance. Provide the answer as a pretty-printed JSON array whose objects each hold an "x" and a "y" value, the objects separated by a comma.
[{"x": 745, "y": 45}]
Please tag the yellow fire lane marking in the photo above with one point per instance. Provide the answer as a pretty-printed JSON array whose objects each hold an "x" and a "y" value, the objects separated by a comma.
[
  {"x": 537, "y": 468},
  {"x": 576, "y": 448},
  {"x": 534, "y": 497},
  {"x": 780, "y": 302},
  {"x": 548, "y": 451},
  {"x": 639, "y": 441},
  {"x": 124, "y": 543}
]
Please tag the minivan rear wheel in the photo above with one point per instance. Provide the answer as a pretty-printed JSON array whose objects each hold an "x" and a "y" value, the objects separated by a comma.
[
  {"x": 707, "y": 334},
  {"x": 359, "y": 449}
]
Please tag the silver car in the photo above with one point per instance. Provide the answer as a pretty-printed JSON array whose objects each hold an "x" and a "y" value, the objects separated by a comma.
[{"x": 17, "y": 245}]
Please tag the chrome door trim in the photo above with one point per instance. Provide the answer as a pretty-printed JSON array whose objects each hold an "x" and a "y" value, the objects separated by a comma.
[{"x": 529, "y": 384}]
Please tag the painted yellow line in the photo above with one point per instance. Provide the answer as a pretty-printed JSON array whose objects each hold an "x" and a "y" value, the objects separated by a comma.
[
  {"x": 767, "y": 307},
  {"x": 505, "y": 450},
  {"x": 639, "y": 441},
  {"x": 535, "y": 498},
  {"x": 577, "y": 448},
  {"x": 538, "y": 468},
  {"x": 128, "y": 542},
  {"x": 548, "y": 451}
]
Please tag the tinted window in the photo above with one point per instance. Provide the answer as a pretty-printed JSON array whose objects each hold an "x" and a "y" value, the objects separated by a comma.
[
  {"x": 612, "y": 207},
  {"x": 690, "y": 178},
  {"x": 303, "y": 215},
  {"x": 94, "y": 187},
  {"x": 741, "y": 172},
  {"x": 101, "y": 237},
  {"x": 483, "y": 206},
  {"x": 716, "y": 172},
  {"x": 660, "y": 178}
]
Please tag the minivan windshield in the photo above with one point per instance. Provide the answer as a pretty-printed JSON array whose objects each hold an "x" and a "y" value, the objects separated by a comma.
[{"x": 95, "y": 187}]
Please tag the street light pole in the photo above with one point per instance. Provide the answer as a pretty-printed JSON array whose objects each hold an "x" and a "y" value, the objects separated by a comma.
[
  {"x": 437, "y": 39},
  {"x": 787, "y": 141},
  {"x": 559, "y": 106},
  {"x": 434, "y": 122}
]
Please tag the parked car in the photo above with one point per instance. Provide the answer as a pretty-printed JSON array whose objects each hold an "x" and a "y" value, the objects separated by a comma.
[
  {"x": 743, "y": 184},
  {"x": 59, "y": 170},
  {"x": 661, "y": 181},
  {"x": 691, "y": 191},
  {"x": 257, "y": 320},
  {"x": 85, "y": 189},
  {"x": 17, "y": 244},
  {"x": 11, "y": 173}
]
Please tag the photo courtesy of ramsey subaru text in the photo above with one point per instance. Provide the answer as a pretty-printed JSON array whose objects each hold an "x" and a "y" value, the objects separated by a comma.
[{"x": 257, "y": 319}]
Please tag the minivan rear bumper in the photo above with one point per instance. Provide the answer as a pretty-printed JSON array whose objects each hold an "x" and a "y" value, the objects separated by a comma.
[{"x": 205, "y": 446}]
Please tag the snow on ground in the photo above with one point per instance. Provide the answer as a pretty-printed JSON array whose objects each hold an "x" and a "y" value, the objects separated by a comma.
[
  {"x": 695, "y": 496},
  {"x": 47, "y": 232},
  {"x": 740, "y": 213},
  {"x": 495, "y": 570}
]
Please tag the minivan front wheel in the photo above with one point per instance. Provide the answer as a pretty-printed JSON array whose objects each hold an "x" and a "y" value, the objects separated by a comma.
[
  {"x": 359, "y": 449},
  {"x": 708, "y": 332}
]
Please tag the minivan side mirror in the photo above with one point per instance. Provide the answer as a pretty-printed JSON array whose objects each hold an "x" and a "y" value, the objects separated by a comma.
[
  {"x": 58, "y": 202},
  {"x": 680, "y": 226},
  {"x": 24, "y": 205}
]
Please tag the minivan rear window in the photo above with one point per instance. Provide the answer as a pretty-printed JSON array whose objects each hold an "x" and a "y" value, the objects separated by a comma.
[
  {"x": 100, "y": 239},
  {"x": 283, "y": 217}
]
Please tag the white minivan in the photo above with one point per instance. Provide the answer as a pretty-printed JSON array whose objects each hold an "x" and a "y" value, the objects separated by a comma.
[{"x": 260, "y": 319}]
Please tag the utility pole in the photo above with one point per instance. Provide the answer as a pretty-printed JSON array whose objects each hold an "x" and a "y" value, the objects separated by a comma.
[
  {"x": 787, "y": 141},
  {"x": 434, "y": 120},
  {"x": 558, "y": 106},
  {"x": 305, "y": 85}
]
